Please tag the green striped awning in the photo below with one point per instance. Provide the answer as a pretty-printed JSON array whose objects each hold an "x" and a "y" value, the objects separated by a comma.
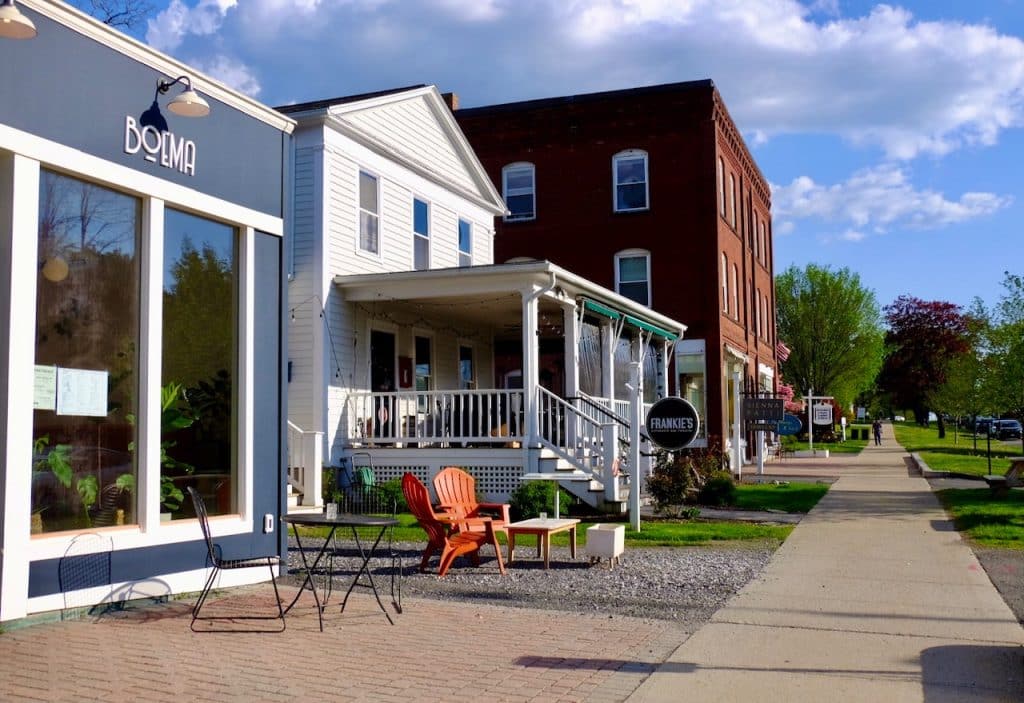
[{"x": 605, "y": 311}]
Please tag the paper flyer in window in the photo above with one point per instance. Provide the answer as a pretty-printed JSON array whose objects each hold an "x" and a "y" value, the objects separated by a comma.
[
  {"x": 44, "y": 396},
  {"x": 81, "y": 392}
]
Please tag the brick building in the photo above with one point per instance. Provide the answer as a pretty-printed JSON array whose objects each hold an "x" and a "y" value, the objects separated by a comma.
[{"x": 651, "y": 192}]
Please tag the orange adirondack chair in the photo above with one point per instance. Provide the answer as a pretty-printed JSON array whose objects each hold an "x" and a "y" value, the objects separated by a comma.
[
  {"x": 453, "y": 543},
  {"x": 456, "y": 493}
]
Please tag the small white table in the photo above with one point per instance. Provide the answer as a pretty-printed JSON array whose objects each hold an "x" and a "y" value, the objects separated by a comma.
[{"x": 543, "y": 528}]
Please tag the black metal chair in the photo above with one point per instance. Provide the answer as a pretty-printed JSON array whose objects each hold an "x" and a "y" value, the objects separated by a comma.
[
  {"x": 362, "y": 499},
  {"x": 220, "y": 564}
]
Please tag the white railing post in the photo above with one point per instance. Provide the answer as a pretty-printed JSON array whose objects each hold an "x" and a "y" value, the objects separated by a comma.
[
  {"x": 312, "y": 465},
  {"x": 610, "y": 461}
]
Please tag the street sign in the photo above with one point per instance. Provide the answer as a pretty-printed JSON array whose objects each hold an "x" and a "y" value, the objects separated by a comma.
[
  {"x": 822, "y": 414},
  {"x": 761, "y": 426},
  {"x": 762, "y": 409},
  {"x": 790, "y": 424},
  {"x": 672, "y": 423}
]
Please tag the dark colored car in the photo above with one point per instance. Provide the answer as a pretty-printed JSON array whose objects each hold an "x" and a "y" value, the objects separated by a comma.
[{"x": 1006, "y": 429}]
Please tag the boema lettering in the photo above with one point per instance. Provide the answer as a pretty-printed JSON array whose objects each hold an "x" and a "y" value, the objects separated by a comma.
[
  {"x": 679, "y": 424},
  {"x": 160, "y": 147}
]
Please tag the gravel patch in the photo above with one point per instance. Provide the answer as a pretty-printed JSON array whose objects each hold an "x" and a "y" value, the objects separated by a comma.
[
  {"x": 683, "y": 584},
  {"x": 1005, "y": 568}
]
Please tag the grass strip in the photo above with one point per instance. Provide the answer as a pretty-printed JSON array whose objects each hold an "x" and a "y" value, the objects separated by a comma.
[
  {"x": 956, "y": 452},
  {"x": 785, "y": 497},
  {"x": 984, "y": 519}
]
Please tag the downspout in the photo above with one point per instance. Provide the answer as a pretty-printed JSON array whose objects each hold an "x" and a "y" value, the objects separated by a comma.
[{"x": 531, "y": 376}]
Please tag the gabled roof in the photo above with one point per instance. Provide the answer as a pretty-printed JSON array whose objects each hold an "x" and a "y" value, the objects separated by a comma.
[{"x": 359, "y": 117}]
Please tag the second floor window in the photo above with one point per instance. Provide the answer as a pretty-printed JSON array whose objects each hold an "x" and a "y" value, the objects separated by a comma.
[
  {"x": 369, "y": 214},
  {"x": 465, "y": 243},
  {"x": 632, "y": 276},
  {"x": 519, "y": 191},
  {"x": 420, "y": 234},
  {"x": 629, "y": 171}
]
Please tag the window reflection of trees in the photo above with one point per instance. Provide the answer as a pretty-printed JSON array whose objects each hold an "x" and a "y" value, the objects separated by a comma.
[{"x": 86, "y": 318}]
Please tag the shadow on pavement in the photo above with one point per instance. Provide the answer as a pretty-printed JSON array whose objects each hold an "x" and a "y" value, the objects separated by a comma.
[{"x": 972, "y": 672}]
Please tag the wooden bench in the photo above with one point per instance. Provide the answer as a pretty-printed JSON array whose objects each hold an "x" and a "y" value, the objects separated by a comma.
[{"x": 1014, "y": 476}]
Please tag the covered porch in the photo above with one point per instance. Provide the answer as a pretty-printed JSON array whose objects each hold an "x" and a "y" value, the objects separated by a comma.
[{"x": 510, "y": 371}]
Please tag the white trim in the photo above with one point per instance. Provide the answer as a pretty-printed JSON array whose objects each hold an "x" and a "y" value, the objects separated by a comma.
[
  {"x": 244, "y": 469},
  {"x": 460, "y": 343},
  {"x": 458, "y": 244},
  {"x": 736, "y": 353},
  {"x": 94, "y": 29},
  {"x": 20, "y": 184},
  {"x": 127, "y": 180},
  {"x": 630, "y": 154},
  {"x": 151, "y": 330},
  {"x": 766, "y": 371}
]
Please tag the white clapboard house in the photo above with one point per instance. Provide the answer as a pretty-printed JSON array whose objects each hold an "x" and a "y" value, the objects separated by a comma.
[{"x": 411, "y": 349}]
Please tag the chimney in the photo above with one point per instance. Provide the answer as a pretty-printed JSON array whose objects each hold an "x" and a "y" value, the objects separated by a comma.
[{"x": 451, "y": 100}]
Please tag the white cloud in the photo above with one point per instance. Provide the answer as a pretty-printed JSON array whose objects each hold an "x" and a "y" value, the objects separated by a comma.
[
  {"x": 884, "y": 80},
  {"x": 877, "y": 199},
  {"x": 232, "y": 72}
]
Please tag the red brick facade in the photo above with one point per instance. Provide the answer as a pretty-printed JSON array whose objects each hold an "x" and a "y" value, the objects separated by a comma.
[{"x": 685, "y": 129}]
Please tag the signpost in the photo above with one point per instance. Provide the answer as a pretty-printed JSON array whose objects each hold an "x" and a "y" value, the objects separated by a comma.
[
  {"x": 760, "y": 415},
  {"x": 812, "y": 411}
]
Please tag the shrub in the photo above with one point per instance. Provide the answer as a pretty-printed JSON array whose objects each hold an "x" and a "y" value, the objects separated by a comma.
[
  {"x": 393, "y": 490},
  {"x": 534, "y": 497},
  {"x": 678, "y": 477},
  {"x": 719, "y": 489}
]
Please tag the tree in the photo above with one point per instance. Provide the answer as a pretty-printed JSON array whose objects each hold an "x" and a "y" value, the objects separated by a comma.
[
  {"x": 124, "y": 14},
  {"x": 965, "y": 392},
  {"x": 831, "y": 322},
  {"x": 923, "y": 338},
  {"x": 1006, "y": 349}
]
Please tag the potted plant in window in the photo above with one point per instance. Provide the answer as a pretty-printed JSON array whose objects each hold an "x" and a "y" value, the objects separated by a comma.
[{"x": 172, "y": 418}]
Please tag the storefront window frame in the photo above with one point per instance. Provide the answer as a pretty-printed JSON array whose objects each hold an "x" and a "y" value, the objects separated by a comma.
[{"x": 22, "y": 155}]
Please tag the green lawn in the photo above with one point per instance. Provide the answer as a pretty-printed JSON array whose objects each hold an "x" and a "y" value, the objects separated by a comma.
[
  {"x": 955, "y": 453},
  {"x": 667, "y": 533},
  {"x": 850, "y": 446},
  {"x": 787, "y": 498},
  {"x": 985, "y": 520}
]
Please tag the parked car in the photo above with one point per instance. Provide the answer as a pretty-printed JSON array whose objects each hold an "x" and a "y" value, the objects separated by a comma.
[{"x": 1006, "y": 429}]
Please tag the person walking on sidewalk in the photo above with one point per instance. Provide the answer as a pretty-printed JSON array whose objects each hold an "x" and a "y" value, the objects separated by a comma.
[{"x": 876, "y": 428}]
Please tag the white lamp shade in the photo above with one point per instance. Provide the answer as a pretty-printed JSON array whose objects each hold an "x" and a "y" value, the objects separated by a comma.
[
  {"x": 189, "y": 103},
  {"x": 55, "y": 269},
  {"x": 13, "y": 24}
]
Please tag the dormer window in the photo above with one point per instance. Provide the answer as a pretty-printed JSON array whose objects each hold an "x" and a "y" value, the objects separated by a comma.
[
  {"x": 519, "y": 190},
  {"x": 629, "y": 173}
]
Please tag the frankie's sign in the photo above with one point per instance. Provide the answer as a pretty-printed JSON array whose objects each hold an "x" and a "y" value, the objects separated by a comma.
[
  {"x": 672, "y": 423},
  {"x": 164, "y": 148}
]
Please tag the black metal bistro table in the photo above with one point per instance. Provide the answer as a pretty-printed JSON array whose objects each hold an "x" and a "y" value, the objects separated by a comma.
[{"x": 365, "y": 555}]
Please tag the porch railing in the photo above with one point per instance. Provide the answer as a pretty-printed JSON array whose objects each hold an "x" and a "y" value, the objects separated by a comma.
[
  {"x": 305, "y": 459},
  {"x": 578, "y": 437},
  {"x": 437, "y": 417}
]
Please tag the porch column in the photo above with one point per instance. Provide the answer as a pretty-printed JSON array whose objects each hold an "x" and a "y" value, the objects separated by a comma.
[
  {"x": 737, "y": 429},
  {"x": 664, "y": 382},
  {"x": 608, "y": 343},
  {"x": 571, "y": 330},
  {"x": 531, "y": 377}
]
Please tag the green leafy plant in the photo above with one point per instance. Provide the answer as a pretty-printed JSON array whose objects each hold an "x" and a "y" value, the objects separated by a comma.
[
  {"x": 173, "y": 417},
  {"x": 678, "y": 477},
  {"x": 534, "y": 497},
  {"x": 719, "y": 489}
]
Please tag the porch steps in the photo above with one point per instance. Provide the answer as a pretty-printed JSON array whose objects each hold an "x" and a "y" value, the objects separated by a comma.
[{"x": 294, "y": 498}]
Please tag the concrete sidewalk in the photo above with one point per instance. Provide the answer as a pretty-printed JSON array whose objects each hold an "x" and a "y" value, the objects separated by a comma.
[{"x": 874, "y": 597}]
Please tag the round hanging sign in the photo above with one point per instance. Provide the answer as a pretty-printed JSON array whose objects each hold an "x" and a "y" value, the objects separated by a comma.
[
  {"x": 790, "y": 424},
  {"x": 672, "y": 423}
]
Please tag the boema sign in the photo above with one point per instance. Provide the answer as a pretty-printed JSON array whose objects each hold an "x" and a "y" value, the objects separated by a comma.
[
  {"x": 164, "y": 148},
  {"x": 672, "y": 423}
]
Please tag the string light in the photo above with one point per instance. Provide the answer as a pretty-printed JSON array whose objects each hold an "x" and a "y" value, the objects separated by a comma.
[{"x": 327, "y": 325}]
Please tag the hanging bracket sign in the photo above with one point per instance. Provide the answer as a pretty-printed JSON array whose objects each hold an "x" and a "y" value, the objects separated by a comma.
[
  {"x": 822, "y": 414},
  {"x": 672, "y": 423}
]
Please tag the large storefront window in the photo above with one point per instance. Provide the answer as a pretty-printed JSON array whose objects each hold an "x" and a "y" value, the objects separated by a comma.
[
  {"x": 85, "y": 400},
  {"x": 198, "y": 396},
  {"x": 690, "y": 369}
]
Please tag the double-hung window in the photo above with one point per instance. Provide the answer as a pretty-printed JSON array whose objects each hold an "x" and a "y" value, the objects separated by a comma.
[
  {"x": 369, "y": 213},
  {"x": 519, "y": 189},
  {"x": 465, "y": 243},
  {"x": 732, "y": 200},
  {"x": 629, "y": 173},
  {"x": 420, "y": 234},
  {"x": 633, "y": 275}
]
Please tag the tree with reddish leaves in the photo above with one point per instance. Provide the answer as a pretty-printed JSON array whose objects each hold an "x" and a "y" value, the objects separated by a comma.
[{"x": 923, "y": 338}]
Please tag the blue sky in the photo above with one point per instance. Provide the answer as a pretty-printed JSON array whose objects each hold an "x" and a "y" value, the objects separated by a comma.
[{"x": 891, "y": 134}]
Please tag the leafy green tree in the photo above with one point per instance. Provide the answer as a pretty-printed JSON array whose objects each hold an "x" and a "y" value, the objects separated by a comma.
[
  {"x": 966, "y": 391},
  {"x": 1006, "y": 341},
  {"x": 832, "y": 325}
]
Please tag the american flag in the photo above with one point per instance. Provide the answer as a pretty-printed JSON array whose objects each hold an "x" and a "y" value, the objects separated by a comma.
[{"x": 781, "y": 351}]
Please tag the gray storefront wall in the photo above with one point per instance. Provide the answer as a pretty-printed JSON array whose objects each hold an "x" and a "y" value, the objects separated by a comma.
[{"x": 72, "y": 92}]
